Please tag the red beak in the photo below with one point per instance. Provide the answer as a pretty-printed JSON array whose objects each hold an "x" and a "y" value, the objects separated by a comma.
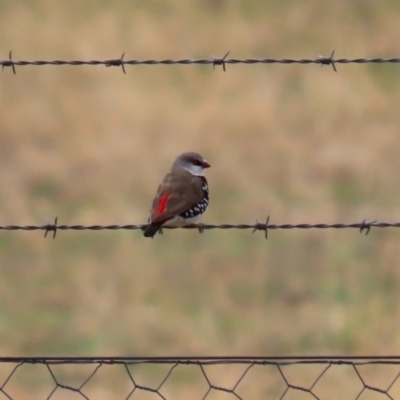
[{"x": 206, "y": 164}]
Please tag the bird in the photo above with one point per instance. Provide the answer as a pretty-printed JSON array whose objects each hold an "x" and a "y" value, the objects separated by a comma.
[{"x": 182, "y": 197}]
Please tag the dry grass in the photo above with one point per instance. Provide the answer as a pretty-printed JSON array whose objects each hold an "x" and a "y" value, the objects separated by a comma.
[{"x": 298, "y": 142}]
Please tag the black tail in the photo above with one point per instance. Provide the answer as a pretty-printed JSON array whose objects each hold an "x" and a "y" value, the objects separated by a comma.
[{"x": 151, "y": 229}]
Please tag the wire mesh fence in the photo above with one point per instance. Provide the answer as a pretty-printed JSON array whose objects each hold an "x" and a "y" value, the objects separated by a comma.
[
  {"x": 208, "y": 378},
  {"x": 200, "y": 378}
]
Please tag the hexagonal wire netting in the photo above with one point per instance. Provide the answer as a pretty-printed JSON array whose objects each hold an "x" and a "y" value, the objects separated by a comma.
[{"x": 200, "y": 378}]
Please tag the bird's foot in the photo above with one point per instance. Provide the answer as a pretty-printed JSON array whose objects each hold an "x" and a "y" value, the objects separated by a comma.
[{"x": 200, "y": 227}]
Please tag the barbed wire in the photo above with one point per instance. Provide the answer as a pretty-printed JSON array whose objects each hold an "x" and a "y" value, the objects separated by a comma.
[
  {"x": 214, "y": 61},
  {"x": 363, "y": 227},
  {"x": 250, "y": 376}
]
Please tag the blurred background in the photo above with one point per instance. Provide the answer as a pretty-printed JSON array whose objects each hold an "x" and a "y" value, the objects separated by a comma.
[{"x": 298, "y": 142}]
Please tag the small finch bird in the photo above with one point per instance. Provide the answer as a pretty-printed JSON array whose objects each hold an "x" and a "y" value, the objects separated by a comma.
[{"x": 182, "y": 197}]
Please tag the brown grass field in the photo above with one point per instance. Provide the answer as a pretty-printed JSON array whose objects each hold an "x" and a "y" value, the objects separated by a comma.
[{"x": 298, "y": 142}]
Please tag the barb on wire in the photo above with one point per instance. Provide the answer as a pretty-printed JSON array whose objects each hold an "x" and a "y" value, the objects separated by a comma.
[
  {"x": 221, "y": 61},
  {"x": 329, "y": 377},
  {"x": 262, "y": 227},
  {"x": 257, "y": 226},
  {"x": 328, "y": 60},
  {"x": 51, "y": 228},
  {"x": 8, "y": 63},
  {"x": 366, "y": 226},
  {"x": 121, "y": 62}
]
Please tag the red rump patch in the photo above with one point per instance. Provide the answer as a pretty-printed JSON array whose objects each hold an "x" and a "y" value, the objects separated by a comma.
[{"x": 162, "y": 204}]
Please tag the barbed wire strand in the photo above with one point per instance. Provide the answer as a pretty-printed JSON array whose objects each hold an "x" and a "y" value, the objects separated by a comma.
[
  {"x": 363, "y": 227},
  {"x": 214, "y": 61},
  {"x": 133, "y": 368}
]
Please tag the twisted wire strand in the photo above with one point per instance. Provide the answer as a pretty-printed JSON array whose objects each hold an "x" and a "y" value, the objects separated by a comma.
[
  {"x": 364, "y": 226},
  {"x": 211, "y": 360},
  {"x": 214, "y": 61}
]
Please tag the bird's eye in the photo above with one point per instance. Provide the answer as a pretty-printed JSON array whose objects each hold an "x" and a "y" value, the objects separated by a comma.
[{"x": 197, "y": 162}]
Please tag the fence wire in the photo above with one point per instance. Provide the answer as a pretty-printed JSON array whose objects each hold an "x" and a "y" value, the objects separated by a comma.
[
  {"x": 214, "y": 61},
  {"x": 363, "y": 227},
  {"x": 202, "y": 378}
]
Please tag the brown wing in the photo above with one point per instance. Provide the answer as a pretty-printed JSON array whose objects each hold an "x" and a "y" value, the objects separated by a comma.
[{"x": 179, "y": 191}]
